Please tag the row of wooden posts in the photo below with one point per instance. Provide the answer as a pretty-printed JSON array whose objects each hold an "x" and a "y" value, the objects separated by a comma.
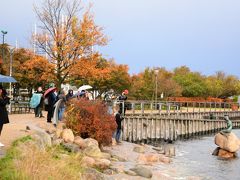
[{"x": 155, "y": 127}]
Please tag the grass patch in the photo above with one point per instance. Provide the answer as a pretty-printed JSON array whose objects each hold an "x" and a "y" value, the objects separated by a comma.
[
  {"x": 25, "y": 161},
  {"x": 7, "y": 166}
]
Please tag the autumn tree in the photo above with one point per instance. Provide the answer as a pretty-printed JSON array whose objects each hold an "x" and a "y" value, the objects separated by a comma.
[
  {"x": 66, "y": 38},
  {"x": 90, "y": 71},
  {"x": 119, "y": 78},
  {"x": 144, "y": 84},
  {"x": 229, "y": 84},
  {"x": 101, "y": 74},
  {"x": 36, "y": 71},
  {"x": 166, "y": 84}
]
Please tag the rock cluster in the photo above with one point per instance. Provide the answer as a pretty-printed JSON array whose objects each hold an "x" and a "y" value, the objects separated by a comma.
[
  {"x": 139, "y": 160},
  {"x": 228, "y": 145}
]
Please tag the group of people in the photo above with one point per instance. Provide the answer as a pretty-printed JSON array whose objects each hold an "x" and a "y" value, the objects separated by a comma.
[{"x": 53, "y": 102}]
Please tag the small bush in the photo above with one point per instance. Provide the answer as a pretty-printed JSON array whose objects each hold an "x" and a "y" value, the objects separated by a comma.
[{"x": 90, "y": 119}]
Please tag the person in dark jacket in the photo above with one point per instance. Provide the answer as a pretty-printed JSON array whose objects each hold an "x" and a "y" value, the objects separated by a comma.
[
  {"x": 118, "y": 118},
  {"x": 38, "y": 109},
  {"x": 69, "y": 94},
  {"x": 4, "y": 100},
  {"x": 52, "y": 98},
  {"x": 61, "y": 95},
  {"x": 122, "y": 100}
]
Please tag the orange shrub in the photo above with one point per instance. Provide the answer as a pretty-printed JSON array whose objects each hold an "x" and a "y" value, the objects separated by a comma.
[{"x": 90, "y": 119}]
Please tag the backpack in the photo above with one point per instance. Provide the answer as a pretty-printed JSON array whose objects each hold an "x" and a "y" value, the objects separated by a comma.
[{"x": 35, "y": 100}]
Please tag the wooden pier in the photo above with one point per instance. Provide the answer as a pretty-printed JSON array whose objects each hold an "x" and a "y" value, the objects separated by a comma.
[{"x": 172, "y": 124}]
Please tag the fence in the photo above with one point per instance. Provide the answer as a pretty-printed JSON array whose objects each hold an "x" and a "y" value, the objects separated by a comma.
[{"x": 140, "y": 128}]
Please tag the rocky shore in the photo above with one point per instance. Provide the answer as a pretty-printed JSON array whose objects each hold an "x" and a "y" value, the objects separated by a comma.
[{"x": 116, "y": 162}]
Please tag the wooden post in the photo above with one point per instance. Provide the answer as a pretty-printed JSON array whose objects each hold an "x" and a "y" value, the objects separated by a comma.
[
  {"x": 142, "y": 108},
  {"x": 133, "y": 108},
  {"x": 160, "y": 128}
]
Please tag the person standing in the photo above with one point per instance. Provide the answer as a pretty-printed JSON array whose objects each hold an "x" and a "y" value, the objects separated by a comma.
[
  {"x": 38, "y": 109},
  {"x": 4, "y": 100},
  {"x": 61, "y": 110},
  {"x": 69, "y": 95},
  {"x": 122, "y": 100},
  {"x": 52, "y": 98},
  {"x": 118, "y": 118}
]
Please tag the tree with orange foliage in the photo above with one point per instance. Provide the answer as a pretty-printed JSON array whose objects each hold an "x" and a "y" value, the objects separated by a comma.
[
  {"x": 102, "y": 74},
  {"x": 36, "y": 71},
  {"x": 65, "y": 38}
]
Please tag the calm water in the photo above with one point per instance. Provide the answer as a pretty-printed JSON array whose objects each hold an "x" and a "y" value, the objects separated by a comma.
[{"x": 193, "y": 158}]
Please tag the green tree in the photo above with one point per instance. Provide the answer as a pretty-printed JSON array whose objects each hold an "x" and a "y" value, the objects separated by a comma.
[{"x": 192, "y": 83}]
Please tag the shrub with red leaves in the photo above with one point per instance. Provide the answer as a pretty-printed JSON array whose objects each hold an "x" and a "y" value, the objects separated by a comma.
[{"x": 90, "y": 119}]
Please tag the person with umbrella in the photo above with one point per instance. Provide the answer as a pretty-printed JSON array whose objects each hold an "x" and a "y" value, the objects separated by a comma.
[
  {"x": 36, "y": 102},
  {"x": 4, "y": 100},
  {"x": 50, "y": 100}
]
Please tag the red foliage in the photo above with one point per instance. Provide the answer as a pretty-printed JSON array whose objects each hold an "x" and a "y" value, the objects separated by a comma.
[{"x": 90, "y": 119}]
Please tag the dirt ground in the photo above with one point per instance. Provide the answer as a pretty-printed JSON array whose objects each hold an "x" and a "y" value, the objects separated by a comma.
[{"x": 17, "y": 128}]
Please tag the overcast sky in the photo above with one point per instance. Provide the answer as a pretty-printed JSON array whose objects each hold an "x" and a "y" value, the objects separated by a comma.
[{"x": 201, "y": 34}]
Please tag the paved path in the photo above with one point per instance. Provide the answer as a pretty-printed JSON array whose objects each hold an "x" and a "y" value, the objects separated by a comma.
[{"x": 17, "y": 128}]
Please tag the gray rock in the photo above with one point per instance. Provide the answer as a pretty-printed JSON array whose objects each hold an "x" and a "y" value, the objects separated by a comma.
[
  {"x": 92, "y": 174},
  {"x": 44, "y": 137},
  {"x": 91, "y": 142},
  {"x": 118, "y": 158},
  {"x": 80, "y": 142},
  {"x": 71, "y": 147},
  {"x": 92, "y": 151},
  {"x": 102, "y": 163},
  {"x": 67, "y": 135},
  {"x": 87, "y": 161},
  {"x": 142, "y": 171},
  {"x": 228, "y": 142},
  {"x": 130, "y": 172}
]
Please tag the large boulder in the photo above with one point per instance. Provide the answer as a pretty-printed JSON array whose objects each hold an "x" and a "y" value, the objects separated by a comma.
[
  {"x": 71, "y": 147},
  {"x": 225, "y": 154},
  {"x": 229, "y": 142},
  {"x": 142, "y": 171},
  {"x": 92, "y": 174},
  {"x": 90, "y": 142},
  {"x": 80, "y": 142},
  {"x": 87, "y": 161},
  {"x": 40, "y": 135},
  {"x": 67, "y": 135},
  {"x": 93, "y": 151},
  {"x": 102, "y": 163}
]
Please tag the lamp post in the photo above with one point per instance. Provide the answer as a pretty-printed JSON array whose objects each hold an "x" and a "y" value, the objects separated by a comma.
[
  {"x": 156, "y": 84},
  {"x": 3, "y": 34},
  {"x": 11, "y": 51}
]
